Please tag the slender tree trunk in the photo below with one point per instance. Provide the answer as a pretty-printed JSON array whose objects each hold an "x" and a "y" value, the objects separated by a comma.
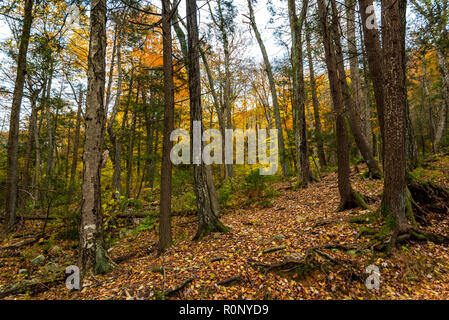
[
  {"x": 315, "y": 103},
  {"x": 374, "y": 54},
  {"x": 76, "y": 144},
  {"x": 93, "y": 256},
  {"x": 115, "y": 141},
  {"x": 129, "y": 159},
  {"x": 14, "y": 122},
  {"x": 361, "y": 103},
  {"x": 269, "y": 71},
  {"x": 29, "y": 148},
  {"x": 354, "y": 119},
  {"x": 165, "y": 235},
  {"x": 207, "y": 207},
  {"x": 296, "y": 25},
  {"x": 348, "y": 197}
]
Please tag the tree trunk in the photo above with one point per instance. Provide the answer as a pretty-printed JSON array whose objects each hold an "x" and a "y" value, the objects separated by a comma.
[
  {"x": 315, "y": 103},
  {"x": 296, "y": 25},
  {"x": 362, "y": 108},
  {"x": 14, "y": 122},
  {"x": 93, "y": 256},
  {"x": 374, "y": 54},
  {"x": 395, "y": 108},
  {"x": 165, "y": 235},
  {"x": 29, "y": 148},
  {"x": 348, "y": 197},
  {"x": 76, "y": 144},
  {"x": 207, "y": 207},
  {"x": 129, "y": 159},
  {"x": 354, "y": 119},
  {"x": 269, "y": 71}
]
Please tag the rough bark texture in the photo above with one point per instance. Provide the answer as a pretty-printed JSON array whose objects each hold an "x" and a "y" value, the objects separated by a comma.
[
  {"x": 362, "y": 108},
  {"x": 92, "y": 254},
  {"x": 13, "y": 137},
  {"x": 395, "y": 109},
  {"x": 206, "y": 205},
  {"x": 296, "y": 25},
  {"x": 269, "y": 71},
  {"x": 354, "y": 119},
  {"x": 348, "y": 197},
  {"x": 374, "y": 54},
  {"x": 165, "y": 235}
]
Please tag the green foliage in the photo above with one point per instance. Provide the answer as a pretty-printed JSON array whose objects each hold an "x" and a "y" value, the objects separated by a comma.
[{"x": 149, "y": 222}]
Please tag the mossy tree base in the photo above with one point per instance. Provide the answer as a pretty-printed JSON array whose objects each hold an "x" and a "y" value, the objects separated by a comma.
[
  {"x": 355, "y": 200},
  {"x": 206, "y": 229}
]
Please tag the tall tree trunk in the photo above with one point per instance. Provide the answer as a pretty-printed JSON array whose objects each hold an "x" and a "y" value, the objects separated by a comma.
[
  {"x": 348, "y": 197},
  {"x": 362, "y": 108},
  {"x": 207, "y": 211},
  {"x": 129, "y": 159},
  {"x": 374, "y": 54},
  {"x": 165, "y": 235},
  {"x": 29, "y": 147},
  {"x": 76, "y": 144},
  {"x": 269, "y": 71},
  {"x": 296, "y": 25},
  {"x": 115, "y": 141},
  {"x": 14, "y": 122},
  {"x": 93, "y": 256},
  {"x": 315, "y": 103},
  {"x": 354, "y": 119},
  {"x": 395, "y": 109}
]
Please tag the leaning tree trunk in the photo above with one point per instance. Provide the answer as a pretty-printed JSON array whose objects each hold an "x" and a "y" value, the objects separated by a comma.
[
  {"x": 269, "y": 71},
  {"x": 93, "y": 256},
  {"x": 207, "y": 210},
  {"x": 362, "y": 107},
  {"x": 14, "y": 122},
  {"x": 348, "y": 197},
  {"x": 354, "y": 119},
  {"x": 165, "y": 235}
]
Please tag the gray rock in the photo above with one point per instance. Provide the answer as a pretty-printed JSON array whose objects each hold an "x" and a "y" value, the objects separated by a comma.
[
  {"x": 38, "y": 260},
  {"x": 56, "y": 249},
  {"x": 51, "y": 267}
]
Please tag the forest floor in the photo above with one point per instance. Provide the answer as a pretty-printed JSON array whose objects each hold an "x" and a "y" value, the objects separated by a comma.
[{"x": 230, "y": 266}]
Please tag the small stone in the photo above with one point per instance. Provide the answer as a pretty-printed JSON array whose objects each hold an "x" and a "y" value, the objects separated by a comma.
[
  {"x": 56, "y": 250},
  {"x": 23, "y": 271},
  {"x": 51, "y": 267},
  {"x": 38, "y": 260}
]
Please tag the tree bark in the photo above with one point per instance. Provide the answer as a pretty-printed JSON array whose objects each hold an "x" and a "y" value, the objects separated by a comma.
[
  {"x": 296, "y": 25},
  {"x": 205, "y": 196},
  {"x": 348, "y": 197},
  {"x": 165, "y": 235},
  {"x": 395, "y": 109},
  {"x": 93, "y": 256},
  {"x": 14, "y": 122}
]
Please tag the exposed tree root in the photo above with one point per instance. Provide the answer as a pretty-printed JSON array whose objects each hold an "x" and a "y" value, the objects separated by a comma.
[
  {"x": 230, "y": 281},
  {"x": 215, "y": 226},
  {"x": 176, "y": 289},
  {"x": 31, "y": 288}
]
